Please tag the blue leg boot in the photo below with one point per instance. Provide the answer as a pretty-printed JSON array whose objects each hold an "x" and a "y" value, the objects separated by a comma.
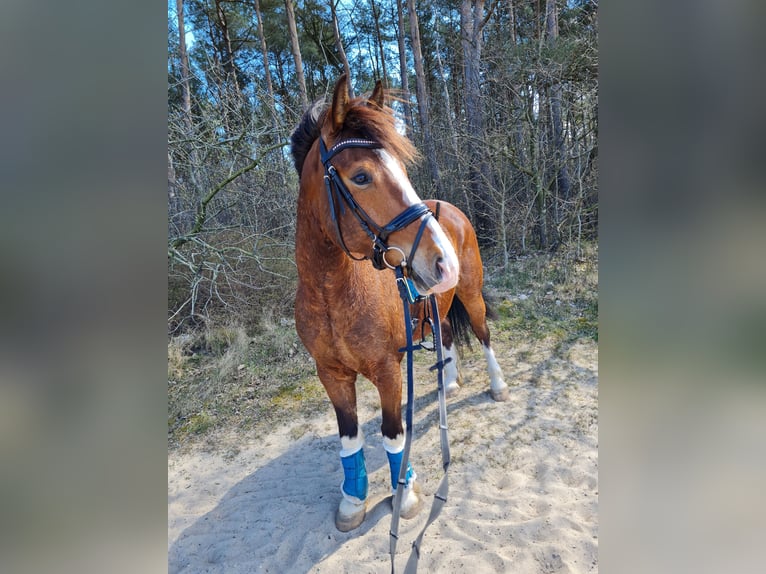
[
  {"x": 395, "y": 464},
  {"x": 353, "y": 505},
  {"x": 412, "y": 500}
]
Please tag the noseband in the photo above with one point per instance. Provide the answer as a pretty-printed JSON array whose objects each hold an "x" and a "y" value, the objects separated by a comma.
[{"x": 339, "y": 196}]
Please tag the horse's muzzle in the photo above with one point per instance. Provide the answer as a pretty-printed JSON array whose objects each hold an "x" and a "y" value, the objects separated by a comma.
[
  {"x": 446, "y": 274},
  {"x": 435, "y": 267},
  {"x": 438, "y": 276}
]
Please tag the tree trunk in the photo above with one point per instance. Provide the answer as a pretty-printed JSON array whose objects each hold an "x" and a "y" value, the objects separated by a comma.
[
  {"x": 232, "y": 101},
  {"x": 403, "y": 71},
  {"x": 512, "y": 121},
  {"x": 188, "y": 121},
  {"x": 538, "y": 160},
  {"x": 420, "y": 86},
  {"x": 296, "y": 49},
  {"x": 471, "y": 42},
  {"x": 468, "y": 207},
  {"x": 447, "y": 103},
  {"x": 472, "y": 21},
  {"x": 267, "y": 70},
  {"x": 339, "y": 46},
  {"x": 184, "y": 63},
  {"x": 379, "y": 40},
  {"x": 275, "y": 123},
  {"x": 562, "y": 186},
  {"x": 228, "y": 59},
  {"x": 512, "y": 20},
  {"x": 173, "y": 200}
]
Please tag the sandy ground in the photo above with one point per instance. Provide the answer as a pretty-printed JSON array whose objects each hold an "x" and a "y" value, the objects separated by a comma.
[{"x": 523, "y": 481}]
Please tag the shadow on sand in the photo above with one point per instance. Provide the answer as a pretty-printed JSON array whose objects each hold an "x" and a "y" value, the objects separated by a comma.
[{"x": 280, "y": 518}]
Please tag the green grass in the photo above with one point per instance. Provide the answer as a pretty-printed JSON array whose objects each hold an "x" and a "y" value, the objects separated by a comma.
[
  {"x": 547, "y": 296},
  {"x": 199, "y": 423}
]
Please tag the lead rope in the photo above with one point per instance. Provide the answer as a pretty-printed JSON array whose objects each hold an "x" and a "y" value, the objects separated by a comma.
[
  {"x": 440, "y": 498},
  {"x": 404, "y": 293}
]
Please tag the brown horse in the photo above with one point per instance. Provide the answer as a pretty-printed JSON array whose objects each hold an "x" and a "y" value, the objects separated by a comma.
[{"x": 351, "y": 161}]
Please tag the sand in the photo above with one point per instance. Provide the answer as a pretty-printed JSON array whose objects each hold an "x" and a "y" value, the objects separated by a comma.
[{"x": 523, "y": 481}]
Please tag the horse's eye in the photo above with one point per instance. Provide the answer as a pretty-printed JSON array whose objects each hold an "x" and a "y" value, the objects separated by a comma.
[{"x": 361, "y": 178}]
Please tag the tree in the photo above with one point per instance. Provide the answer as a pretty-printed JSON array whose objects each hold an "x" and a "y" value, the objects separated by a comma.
[
  {"x": 506, "y": 113},
  {"x": 562, "y": 187},
  {"x": 187, "y": 108},
  {"x": 422, "y": 95},
  {"x": 403, "y": 71},
  {"x": 228, "y": 52},
  {"x": 296, "y": 49},
  {"x": 472, "y": 22},
  {"x": 379, "y": 41},
  {"x": 339, "y": 46},
  {"x": 184, "y": 61},
  {"x": 266, "y": 68}
]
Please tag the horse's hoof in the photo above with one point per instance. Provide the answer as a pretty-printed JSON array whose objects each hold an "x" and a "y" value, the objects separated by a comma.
[
  {"x": 500, "y": 395},
  {"x": 451, "y": 389},
  {"x": 413, "y": 501},
  {"x": 349, "y": 515}
]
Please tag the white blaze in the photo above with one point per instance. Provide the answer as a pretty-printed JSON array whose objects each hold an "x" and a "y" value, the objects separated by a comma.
[{"x": 450, "y": 264}]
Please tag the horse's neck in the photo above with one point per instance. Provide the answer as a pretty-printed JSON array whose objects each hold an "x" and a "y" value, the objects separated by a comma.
[
  {"x": 322, "y": 263},
  {"x": 324, "y": 268}
]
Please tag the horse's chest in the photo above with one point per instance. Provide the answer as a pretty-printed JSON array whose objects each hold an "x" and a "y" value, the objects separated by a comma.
[{"x": 349, "y": 332}]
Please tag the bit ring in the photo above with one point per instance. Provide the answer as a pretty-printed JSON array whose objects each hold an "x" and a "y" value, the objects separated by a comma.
[{"x": 402, "y": 263}]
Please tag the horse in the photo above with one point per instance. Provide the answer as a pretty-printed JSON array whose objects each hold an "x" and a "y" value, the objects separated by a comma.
[{"x": 351, "y": 160}]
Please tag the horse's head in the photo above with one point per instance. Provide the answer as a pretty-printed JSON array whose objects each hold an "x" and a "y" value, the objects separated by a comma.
[{"x": 379, "y": 215}]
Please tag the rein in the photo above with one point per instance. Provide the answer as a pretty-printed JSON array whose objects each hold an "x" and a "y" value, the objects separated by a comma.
[
  {"x": 339, "y": 196},
  {"x": 440, "y": 498}
]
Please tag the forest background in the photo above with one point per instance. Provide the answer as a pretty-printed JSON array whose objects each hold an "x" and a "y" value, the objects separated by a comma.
[{"x": 499, "y": 96}]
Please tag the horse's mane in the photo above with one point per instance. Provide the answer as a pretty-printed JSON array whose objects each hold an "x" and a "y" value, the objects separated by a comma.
[
  {"x": 362, "y": 121},
  {"x": 306, "y": 133}
]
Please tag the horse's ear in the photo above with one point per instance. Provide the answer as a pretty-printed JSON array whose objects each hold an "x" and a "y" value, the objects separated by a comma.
[
  {"x": 378, "y": 96},
  {"x": 340, "y": 99}
]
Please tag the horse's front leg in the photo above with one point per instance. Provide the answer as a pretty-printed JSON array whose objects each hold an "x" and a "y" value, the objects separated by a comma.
[
  {"x": 388, "y": 381},
  {"x": 340, "y": 384}
]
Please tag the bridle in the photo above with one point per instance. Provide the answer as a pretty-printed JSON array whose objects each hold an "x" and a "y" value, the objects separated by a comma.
[{"x": 339, "y": 197}]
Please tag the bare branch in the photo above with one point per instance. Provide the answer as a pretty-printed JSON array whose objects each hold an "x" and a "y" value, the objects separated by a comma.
[{"x": 199, "y": 221}]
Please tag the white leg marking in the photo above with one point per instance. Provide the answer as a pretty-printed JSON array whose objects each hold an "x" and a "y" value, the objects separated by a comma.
[
  {"x": 412, "y": 501},
  {"x": 394, "y": 445},
  {"x": 497, "y": 386},
  {"x": 351, "y": 445},
  {"x": 451, "y": 374}
]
